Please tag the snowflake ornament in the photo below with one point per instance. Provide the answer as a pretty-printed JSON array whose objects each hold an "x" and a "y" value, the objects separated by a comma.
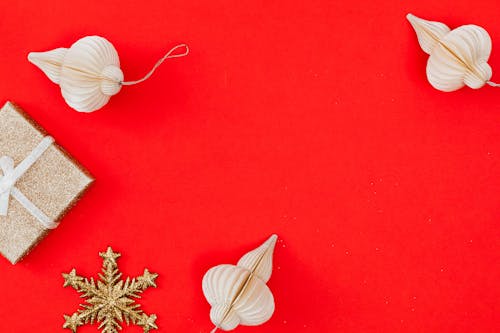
[{"x": 110, "y": 301}]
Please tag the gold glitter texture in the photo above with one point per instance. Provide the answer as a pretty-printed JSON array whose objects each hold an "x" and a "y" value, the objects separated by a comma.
[
  {"x": 54, "y": 183},
  {"x": 110, "y": 301}
]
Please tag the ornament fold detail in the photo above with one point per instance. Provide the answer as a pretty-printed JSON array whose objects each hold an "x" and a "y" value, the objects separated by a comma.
[
  {"x": 239, "y": 294},
  {"x": 89, "y": 73},
  {"x": 457, "y": 57}
]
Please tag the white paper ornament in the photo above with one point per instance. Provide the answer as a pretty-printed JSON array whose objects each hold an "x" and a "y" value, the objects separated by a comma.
[
  {"x": 239, "y": 294},
  {"x": 457, "y": 57},
  {"x": 89, "y": 71}
]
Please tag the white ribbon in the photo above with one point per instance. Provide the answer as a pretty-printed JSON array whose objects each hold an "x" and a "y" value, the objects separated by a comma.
[{"x": 11, "y": 175}]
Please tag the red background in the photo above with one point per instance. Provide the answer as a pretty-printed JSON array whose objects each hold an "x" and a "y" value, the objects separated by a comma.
[{"x": 310, "y": 119}]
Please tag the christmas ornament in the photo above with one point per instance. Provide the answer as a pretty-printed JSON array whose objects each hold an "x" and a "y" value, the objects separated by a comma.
[
  {"x": 39, "y": 183},
  {"x": 457, "y": 57},
  {"x": 89, "y": 71},
  {"x": 110, "y": 301},
  {"x": 239, "y": 294}
]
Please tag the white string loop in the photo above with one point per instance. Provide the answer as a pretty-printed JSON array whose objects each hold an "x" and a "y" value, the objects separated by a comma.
[{"x": 169, "y": 55}]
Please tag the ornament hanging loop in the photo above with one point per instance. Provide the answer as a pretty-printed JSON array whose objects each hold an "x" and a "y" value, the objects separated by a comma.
[
  {"x": 170, "y": 54},
  {"x": 493, "y": 84}
]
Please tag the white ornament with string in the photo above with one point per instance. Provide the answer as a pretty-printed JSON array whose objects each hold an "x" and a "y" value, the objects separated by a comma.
[
  {"x": 89, "y": 71},
  {"x": 457, "y": 57},
  {"x": 239, "y": 294}
]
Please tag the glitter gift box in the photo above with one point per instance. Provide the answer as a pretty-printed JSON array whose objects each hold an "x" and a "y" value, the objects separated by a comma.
[{"x": 39, "y": 183}]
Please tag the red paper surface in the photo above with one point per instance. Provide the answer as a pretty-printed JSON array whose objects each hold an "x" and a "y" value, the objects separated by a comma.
[{"x": 310, "y": 119}]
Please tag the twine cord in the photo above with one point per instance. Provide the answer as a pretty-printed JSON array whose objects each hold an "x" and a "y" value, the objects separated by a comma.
[
  {"x": 493, "y": 84},
  {"x": 214, "y": 330},
  {"x": 170, "y": 54}
]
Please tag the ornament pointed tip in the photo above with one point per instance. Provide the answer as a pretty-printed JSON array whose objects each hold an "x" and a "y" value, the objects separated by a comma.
[
  {"x": 33, "y": 57},
  {"x": 49, "y": 62},
  {"x": 272, "y": 240},
  {"x": 410, "y": 17},
  {"x": 414, "y": 20}
]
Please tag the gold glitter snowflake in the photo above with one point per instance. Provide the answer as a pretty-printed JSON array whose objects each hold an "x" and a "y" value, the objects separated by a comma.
[{"x": 110, "y": 301}]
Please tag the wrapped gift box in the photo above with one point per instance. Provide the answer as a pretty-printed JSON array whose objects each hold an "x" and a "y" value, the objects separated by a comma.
[{"x": 39, "y": 183}]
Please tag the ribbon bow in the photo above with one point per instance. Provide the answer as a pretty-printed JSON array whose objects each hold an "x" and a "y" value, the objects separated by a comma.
[{"x": 12, "y": 174}]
